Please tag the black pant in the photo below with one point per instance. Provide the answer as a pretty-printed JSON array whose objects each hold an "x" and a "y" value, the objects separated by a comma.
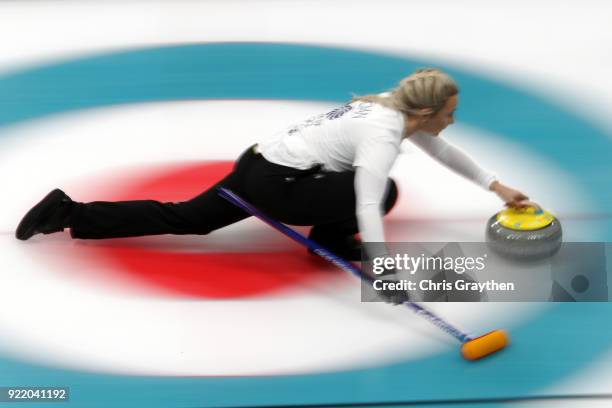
[{"x": 298, "y": 197}]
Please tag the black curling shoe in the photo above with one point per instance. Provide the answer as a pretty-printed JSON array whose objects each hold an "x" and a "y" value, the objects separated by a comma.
[{"x": 50, "y": 215}]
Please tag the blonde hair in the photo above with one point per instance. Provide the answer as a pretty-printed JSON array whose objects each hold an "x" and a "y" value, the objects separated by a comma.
[{"x": 425, "y": 88}]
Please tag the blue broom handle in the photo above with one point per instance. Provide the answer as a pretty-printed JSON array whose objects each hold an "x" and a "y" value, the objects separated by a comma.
[{"x": 336, "y": 260}]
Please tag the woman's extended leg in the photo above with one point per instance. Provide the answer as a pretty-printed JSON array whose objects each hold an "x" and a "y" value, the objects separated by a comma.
[
  {"x": 200, "y": 215},
  {"x": 97, "y": 220}
]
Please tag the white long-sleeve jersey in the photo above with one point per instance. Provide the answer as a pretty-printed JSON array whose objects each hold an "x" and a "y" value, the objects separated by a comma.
[{"x": 364, "y": 137}]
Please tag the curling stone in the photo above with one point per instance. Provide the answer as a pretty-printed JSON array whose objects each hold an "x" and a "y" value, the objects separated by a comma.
[{"x": 524, "y": 233}]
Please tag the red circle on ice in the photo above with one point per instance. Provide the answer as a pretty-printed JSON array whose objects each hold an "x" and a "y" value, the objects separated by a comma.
[{"x": 191, "y": 270}]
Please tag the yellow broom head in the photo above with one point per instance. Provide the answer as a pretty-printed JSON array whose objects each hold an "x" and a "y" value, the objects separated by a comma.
[{"x": 484, "y": 345}]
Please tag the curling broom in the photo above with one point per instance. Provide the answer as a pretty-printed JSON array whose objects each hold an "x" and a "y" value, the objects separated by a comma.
[{"x": 472, "y": 348}]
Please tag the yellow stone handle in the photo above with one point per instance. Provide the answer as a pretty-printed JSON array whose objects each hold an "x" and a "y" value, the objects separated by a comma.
[{"x": 527, "y": 218}]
